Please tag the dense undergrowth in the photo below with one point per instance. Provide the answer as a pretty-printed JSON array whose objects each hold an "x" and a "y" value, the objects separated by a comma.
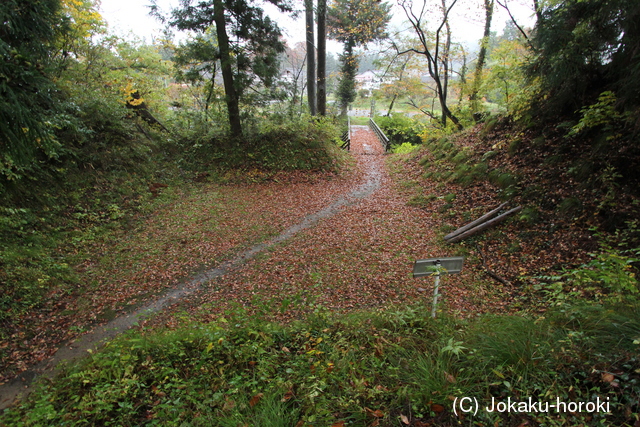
[
  {"x": 61, "y": 210},
  {"x": 366, "y": 368}
]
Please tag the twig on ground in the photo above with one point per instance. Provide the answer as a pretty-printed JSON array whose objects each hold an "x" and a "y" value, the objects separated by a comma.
[{"x": 490, "y": 272}]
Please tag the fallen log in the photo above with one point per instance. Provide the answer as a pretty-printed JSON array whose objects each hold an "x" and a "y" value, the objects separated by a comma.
[
  {"x": 484, "y": 225},
  {"x": 472, "y": 224}
]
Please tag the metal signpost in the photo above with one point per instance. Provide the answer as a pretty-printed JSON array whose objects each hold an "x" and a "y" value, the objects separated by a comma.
[{"x": 437, "y": 267}]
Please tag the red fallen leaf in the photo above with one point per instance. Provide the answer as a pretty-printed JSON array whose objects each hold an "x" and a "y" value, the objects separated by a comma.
[
  {"x": 338, "y": 424},
  {"x": 255, "y": 399},
  {"x": 437, "y": 408},
  {"x": 377, "y": 413},
  {"x": 287, "y": 396}
]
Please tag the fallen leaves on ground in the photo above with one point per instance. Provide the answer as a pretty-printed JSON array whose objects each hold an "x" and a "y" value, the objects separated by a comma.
[{"x": 360, "y": 257}]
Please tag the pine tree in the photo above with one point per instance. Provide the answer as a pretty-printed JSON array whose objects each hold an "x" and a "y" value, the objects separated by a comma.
[
  {"x": 355, "y": 23},
  {"x": 248, "y": 44}
]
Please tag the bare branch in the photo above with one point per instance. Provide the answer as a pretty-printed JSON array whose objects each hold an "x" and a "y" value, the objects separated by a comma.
[{"x": 506, "y": 7}]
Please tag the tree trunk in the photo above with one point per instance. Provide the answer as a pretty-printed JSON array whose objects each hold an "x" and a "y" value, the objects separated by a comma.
[
  {"x": 463, "y": 75},
  {"x": 393, "y": 101},
  {"x": 227, "y": 71},
  {"x": 477, "y": 75},
  {"x": 322, "y": 57},
  {"x": 536, "y": 7},
  {"x": 445, "y": 68},
  {"x": 311, "y": 58}
]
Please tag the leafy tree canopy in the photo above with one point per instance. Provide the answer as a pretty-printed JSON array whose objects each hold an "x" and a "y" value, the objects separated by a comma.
[
  {"x": 358, "y": 21},
  {"x": 585, "y": 47}
]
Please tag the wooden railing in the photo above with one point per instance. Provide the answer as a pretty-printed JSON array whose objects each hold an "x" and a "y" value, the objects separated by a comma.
[
  {"x": 381, "y": 136},
  {"x": 346, "y": 136}
]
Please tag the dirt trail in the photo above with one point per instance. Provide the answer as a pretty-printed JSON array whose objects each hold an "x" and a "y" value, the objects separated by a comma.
[{"x": 369, "y": 153}]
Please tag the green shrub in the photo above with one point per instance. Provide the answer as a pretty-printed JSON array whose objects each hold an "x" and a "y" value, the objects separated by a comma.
[
  {"x": 514, "y": 146},
  {"x": 530, "y": 215},
  {"x": 503, "y": 180},
  {"x": 608, "y": 278},
  {"x": 570, "y": 206},
  {"x": 421, "y": 201},
  {"x": 404, "y": 148},
  {"x": 461, "y": 157},
  {"x": 401, "y": 129}
]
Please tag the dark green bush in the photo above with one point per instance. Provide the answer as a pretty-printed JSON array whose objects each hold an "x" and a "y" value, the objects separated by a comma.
[{"x": 274, "y": 145}]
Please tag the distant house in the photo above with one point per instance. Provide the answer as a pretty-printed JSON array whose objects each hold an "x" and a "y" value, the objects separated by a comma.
[{"x": 372, "y": 79}]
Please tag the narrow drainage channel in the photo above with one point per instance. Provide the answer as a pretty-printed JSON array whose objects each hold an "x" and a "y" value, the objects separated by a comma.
[{"x": 21, "y": 385}]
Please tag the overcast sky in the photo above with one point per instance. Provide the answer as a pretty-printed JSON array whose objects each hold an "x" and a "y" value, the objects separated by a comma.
[{"x": 127, "y": 17}]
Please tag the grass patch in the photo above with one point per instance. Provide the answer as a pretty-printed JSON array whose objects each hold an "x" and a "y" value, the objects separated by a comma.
[
  {"x": 359, "y": 121},
  {"x": 421, "y": 201},
  {"x": 358, "y": 369}
]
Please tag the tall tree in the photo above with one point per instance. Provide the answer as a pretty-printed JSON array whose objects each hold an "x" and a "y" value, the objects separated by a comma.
[
  {"x": 435, "y": 47},
  {"x": 311, "y": 57},
  {"x": 355, "y": 23},
  {"x": 395, "y": 68},
  {"x": 195, "y": 62},
  {"x": 248, "y": 43},
  {"x": 504, "y": 76},
  {"x": 322, "y": 58},
  {"x": 28, "y": 31},
  {"x": 227, "y": 68},
  {"x": 482, "y": 55}
]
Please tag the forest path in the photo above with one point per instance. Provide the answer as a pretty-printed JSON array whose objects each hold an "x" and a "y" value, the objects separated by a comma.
[
  {"x": 358, "y": 256},
  {"x": 371, "y": 175}
]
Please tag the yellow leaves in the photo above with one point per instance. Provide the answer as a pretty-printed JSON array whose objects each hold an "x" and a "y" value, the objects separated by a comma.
[
  {"x": 132, "y": 96},
  {"x": 135, "y": 102},
  {"x": 85, "y": 18}
]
